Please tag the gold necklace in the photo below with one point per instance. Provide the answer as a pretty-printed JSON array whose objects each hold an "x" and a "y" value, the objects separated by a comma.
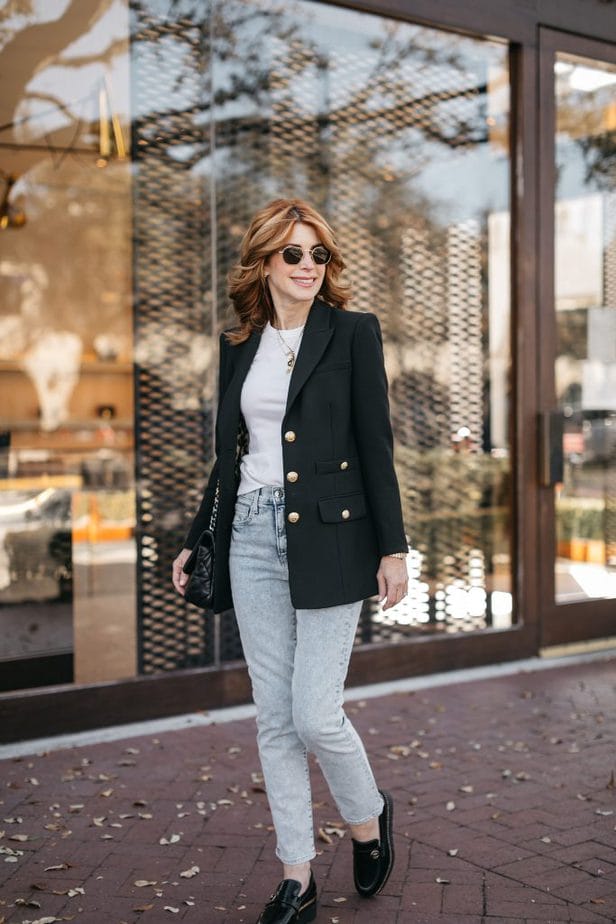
[{"x": 288, "y": 350}]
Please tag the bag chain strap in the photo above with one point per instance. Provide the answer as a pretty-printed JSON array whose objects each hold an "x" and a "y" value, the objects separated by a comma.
[{"x": 214, "y": 514}]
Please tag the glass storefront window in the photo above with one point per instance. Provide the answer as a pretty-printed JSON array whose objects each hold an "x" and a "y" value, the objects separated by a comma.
[
  {"x": 135, "y": 145},
  {"x": 67, "y": 506},
  {"x": 585, "y": 285}
]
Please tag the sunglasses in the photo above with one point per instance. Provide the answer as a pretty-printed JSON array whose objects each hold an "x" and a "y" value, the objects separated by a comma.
[{"x": 293, "y": 253}]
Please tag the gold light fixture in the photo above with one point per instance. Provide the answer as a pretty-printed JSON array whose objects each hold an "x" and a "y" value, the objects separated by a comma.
[
  {"x": 11, "y": 216},
  {"x": 109, "y": 124}
]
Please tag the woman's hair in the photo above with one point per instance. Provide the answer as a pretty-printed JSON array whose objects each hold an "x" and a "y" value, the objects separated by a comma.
[{"x": 269, "y": 231}]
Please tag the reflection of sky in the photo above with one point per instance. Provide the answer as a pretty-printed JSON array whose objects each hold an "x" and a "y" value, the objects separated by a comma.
[{"x": 458, "y": 182}]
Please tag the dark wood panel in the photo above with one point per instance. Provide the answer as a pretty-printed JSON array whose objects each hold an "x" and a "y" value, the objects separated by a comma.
[
  {"x": 579, "y": 622},
  {"x": 524, "y": 342},
  {"x": 515, "y": 20},
  {"x": 63, "y": 709},
  {"x": 20, "y": 673},
  {"x": 69, "y": 708}
]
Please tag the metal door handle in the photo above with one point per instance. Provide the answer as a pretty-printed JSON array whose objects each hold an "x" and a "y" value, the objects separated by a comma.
[{"x": 551, "y": 463}]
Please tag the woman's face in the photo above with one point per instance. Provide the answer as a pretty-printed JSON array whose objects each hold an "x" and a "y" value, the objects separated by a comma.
[{"x": 300, "y": 282}]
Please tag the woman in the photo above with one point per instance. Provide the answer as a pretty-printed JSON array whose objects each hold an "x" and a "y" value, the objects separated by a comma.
[{"x": 309, "y": 524}]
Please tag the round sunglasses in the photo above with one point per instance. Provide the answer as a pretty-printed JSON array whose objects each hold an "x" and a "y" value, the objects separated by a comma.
[{"x": 293, "y": 253}]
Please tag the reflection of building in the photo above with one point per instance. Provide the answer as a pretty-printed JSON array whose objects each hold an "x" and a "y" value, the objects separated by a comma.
[{"x": 137, "y": 155}]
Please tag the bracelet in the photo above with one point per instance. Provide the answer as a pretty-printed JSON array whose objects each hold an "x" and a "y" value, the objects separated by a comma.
[{"x": 401, "y": 555}]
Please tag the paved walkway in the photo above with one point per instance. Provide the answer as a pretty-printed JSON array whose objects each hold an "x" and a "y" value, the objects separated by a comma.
[{"x": 505, "y": 795}]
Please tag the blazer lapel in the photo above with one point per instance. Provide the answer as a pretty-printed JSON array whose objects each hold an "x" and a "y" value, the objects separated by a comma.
[
  {"x": 230, "y": 407},
  {"x": 317, "y": 334}
]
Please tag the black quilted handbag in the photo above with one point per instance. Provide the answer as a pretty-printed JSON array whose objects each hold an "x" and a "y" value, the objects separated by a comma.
[{"x": 199, "y": 589}]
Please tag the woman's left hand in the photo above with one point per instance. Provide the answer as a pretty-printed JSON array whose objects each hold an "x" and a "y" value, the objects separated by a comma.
[{"x": 393, "y": 580}]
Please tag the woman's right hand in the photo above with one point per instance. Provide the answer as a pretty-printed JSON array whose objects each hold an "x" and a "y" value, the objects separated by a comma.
[{"x": 179, "y": 577}]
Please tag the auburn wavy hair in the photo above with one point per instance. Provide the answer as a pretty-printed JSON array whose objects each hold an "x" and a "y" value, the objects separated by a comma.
[{"x": 269, "y": 231}]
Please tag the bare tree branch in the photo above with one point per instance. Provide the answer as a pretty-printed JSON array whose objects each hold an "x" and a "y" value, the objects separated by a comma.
[
  {"x": 22, "y": 53},
  {"x": 119, "y": 46}
]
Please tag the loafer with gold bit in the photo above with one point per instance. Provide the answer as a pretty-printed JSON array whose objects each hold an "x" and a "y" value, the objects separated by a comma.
[
  {"x": 373, "y": 860},
  {"x": 287, "y": 906}
]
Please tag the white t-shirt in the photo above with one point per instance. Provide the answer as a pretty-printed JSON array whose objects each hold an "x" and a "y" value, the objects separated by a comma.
[{"x": 263, "y": 403}]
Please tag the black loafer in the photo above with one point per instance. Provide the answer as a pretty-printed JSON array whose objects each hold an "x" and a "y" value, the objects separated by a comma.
[
  {"x": 287, "y": 906},
  {"x": 373, "y": 860}
]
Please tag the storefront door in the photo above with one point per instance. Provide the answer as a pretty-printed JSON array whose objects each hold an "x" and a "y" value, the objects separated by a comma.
[{"x": 577, "y": 338}]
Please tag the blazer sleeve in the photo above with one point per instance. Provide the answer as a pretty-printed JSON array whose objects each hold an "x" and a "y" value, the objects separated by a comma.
[
  {"x": 373, "y": 435},
  {"x": 202, "y": 517}
]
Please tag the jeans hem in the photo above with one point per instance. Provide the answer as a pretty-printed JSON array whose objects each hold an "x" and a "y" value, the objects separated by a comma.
[
  {"x": 367, "y": 818},
  {"x": 305, "y": 859}
]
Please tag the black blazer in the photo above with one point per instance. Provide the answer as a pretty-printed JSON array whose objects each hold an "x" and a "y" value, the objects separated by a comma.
[{"x": 343, "y": 509}]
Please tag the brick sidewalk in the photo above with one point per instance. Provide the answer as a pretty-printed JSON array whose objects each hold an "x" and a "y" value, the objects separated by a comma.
[{"x": 505, "y": 812}]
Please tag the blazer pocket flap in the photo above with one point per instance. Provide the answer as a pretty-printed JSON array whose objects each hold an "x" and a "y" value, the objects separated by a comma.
[
  {"x": 335, "y": 465},
  {"x": 343, "y": 508},
  {"x": 332, "y": 367}
]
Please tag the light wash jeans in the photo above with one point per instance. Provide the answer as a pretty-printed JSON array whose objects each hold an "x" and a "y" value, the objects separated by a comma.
[{"x": 297, "y": 661}]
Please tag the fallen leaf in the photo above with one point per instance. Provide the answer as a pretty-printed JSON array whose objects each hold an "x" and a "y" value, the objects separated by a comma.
[
  {"x": 334, "y": 829},
  {"x": 141, "y": 883},
  {"x": 323, "y": 836},
  {"x": 467, "y": 789},
  {"x": 143, "y": 907},
  {"x": 442, "y": 881},
  {"x": 27, "y": 903},
  {"x": 106, "y": 793},
  {"x": 453, "y": 852},
  {"x": 340, "y": 899},
  {"x": 172, "y": 910},
  {"x": 172, "y": 839},
  {"x": 57, "y": 866},
  {"x": 450, "y": 806},
  {"x": 189, "y": 873},
  {"x": 22, "y": 838}
]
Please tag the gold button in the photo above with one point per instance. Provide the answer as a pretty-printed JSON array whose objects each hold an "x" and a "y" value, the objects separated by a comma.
[
  {"x": 344, "y": 465},
  {"x": 290, "y": 436},
  {"x": 346, "y": 514},
  {"x": 292, "y": 476},
  {"x": 293, "y": 517}
]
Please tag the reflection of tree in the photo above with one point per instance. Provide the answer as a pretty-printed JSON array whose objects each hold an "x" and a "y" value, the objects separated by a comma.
[
  {"x": 78, "y": 215},
  {"x": 28, "y": 50},
  {"x": 600, "y": 155},
  {"x": 584, "y": 118}
]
